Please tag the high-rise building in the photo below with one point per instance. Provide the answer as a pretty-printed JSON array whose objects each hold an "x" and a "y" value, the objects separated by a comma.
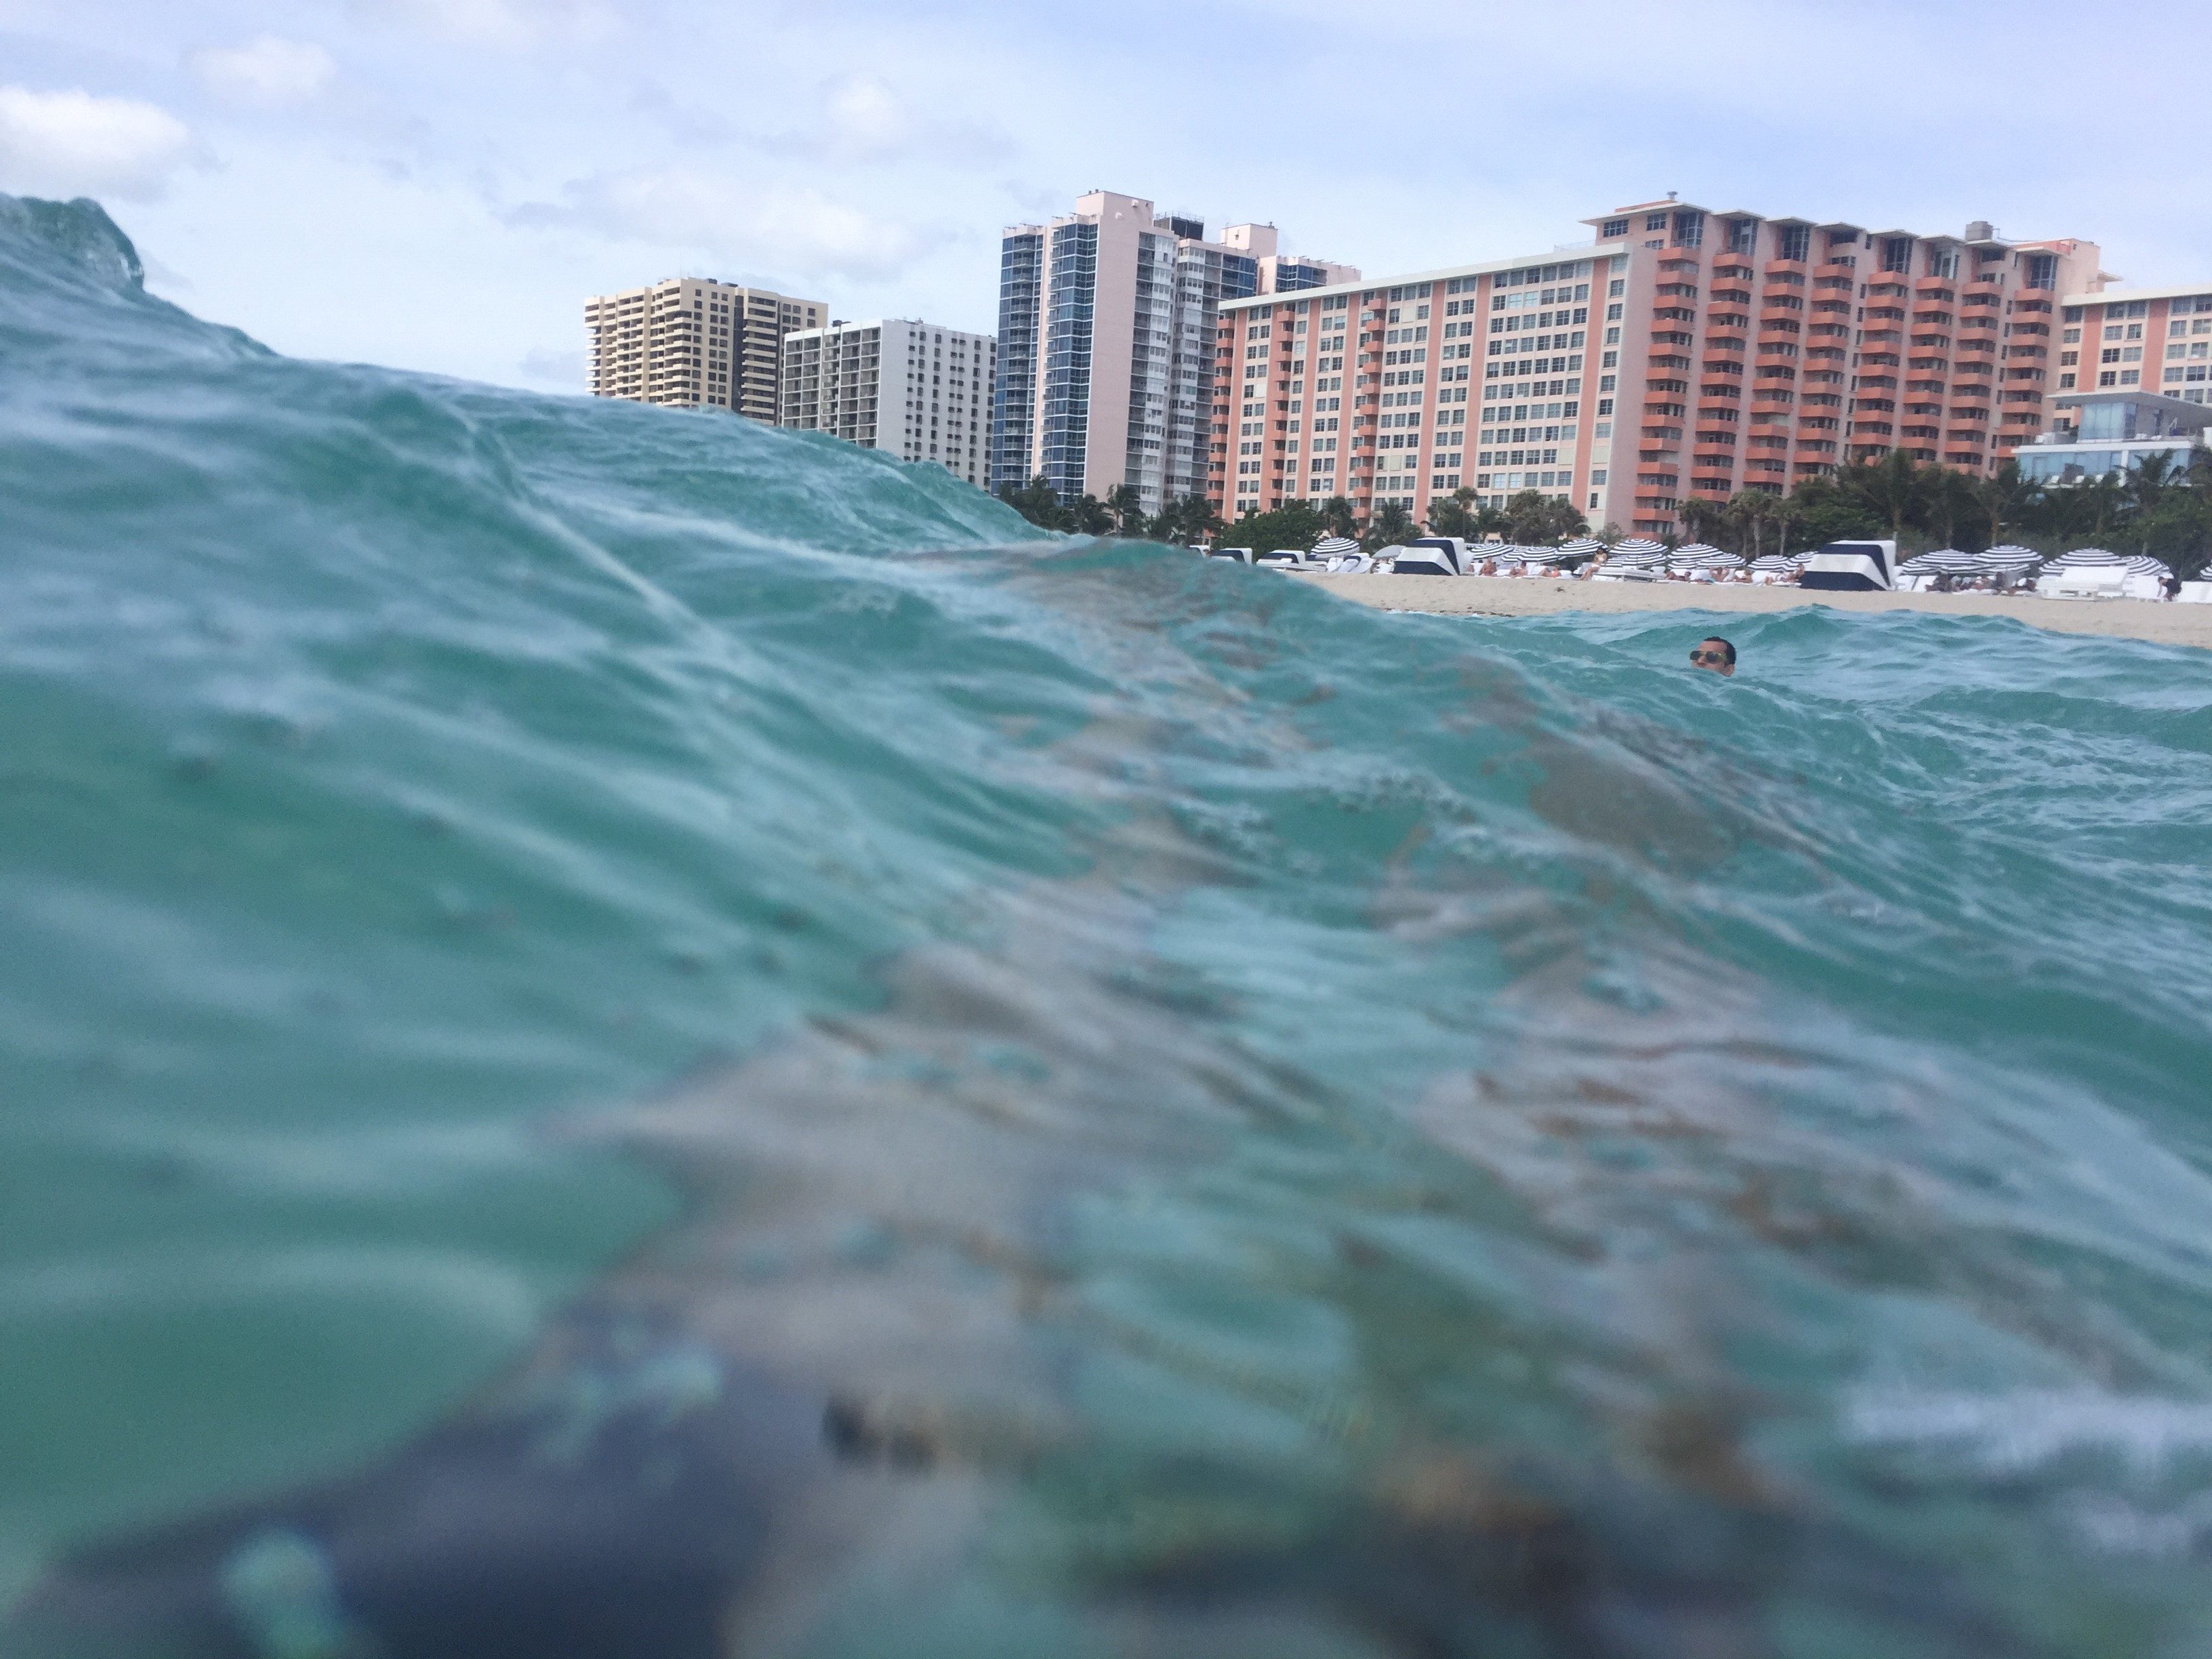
[
  {"x": 1682, "y": 353},
  {"x": 2134, "y": 380},
  {"x": 1106, "y": 325},
  {"x": 2122, "y": 339},
  {"x": 691, "y": 342},
  {"x": 919, "y": 391}
]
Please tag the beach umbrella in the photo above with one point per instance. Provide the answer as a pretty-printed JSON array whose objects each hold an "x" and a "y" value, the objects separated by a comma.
[
  {"x": 2142, "y": 564},
  {"x": 2088, "y": 558},
  {"x": 1693, "y": 556},
  {"x": 2008, "y": 561},
  {"x": 1779, "y": 562},
  {"x": 1637, "y": 552},
  {"x": 1335, "y": 547},
  {"x": 1543, "y": 554},
  {"x": 1949, "y": 562},
  {"x": 1926, "y": 561},
  {"x": 1585, "y": 546}
]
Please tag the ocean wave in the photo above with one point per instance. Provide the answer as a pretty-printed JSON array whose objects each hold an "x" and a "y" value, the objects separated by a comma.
[{"x": 1052, "y": 1094}]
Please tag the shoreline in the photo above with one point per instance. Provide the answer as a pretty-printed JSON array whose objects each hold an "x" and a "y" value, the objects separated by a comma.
[{"x": 2160, "y": 622}]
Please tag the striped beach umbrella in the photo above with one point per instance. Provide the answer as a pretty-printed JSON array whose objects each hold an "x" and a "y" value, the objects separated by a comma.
[
  {"x": 2008, "y": 561},
  {"x": 1777, "y": 562},
  {"x": 1699, "y": 555},
  {"x": 1637, "y": 552},
  {"x": 2088, "y": 558},
  {"x": 1950, "y": 561},
  {"x": 1582, "y": 546},
  {"x": 2142, "y": 564},
  {"x": 1335, "y": 547}
]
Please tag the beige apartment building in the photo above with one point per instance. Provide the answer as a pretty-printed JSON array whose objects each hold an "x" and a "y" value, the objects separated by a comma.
[
  {"x": 917, "y": 390},
  {"x": 693, "y": 342},
  {"x": 1683, "y": 352}
]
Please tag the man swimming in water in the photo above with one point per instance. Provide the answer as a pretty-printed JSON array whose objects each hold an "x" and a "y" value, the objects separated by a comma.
[{"x": 1714, "y": 654}]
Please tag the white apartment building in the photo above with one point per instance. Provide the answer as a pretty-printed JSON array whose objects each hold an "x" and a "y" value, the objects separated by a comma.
[
  {"x": 690, "y": 342},
  {"x": 918, "y": 389}
]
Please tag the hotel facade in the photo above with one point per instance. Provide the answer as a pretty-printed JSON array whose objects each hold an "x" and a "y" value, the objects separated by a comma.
[
  {"x": 693, "y": 342},
  {"x": 917, "y": 390},
  {"x": 1683, "y": 352},
  {"x": 2134, "y": 381},
  {"x": 2128, "y": 339},
  {"x": 1107, "y": 318}
]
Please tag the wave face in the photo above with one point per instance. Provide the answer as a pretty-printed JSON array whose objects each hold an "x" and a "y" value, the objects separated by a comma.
[{"x": 630, "y": 1035}]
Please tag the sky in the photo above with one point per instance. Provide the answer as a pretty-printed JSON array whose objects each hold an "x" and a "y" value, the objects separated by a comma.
[{"x": 438, "y": 184}]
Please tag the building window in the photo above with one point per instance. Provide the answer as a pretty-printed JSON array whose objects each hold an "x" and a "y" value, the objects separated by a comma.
[
  {"x": 1654, "y": 221},
  {"x": 1612, "y": 229}
]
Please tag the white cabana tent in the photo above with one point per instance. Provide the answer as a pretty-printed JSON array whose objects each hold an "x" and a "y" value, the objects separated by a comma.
[{"x": 1433, "y": 556}]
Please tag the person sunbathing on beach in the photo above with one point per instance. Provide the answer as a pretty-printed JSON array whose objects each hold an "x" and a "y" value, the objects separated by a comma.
[{"x": 1715, "y": 656}]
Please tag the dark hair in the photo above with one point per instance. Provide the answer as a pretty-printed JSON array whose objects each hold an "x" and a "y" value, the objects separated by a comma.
[{"x": 1715, "y": 639}]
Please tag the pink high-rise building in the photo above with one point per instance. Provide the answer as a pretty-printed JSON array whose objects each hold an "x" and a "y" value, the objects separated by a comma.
[{"x": 1682, "y": 353}]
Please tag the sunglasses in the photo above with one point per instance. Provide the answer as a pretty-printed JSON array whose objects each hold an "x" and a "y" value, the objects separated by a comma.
[{"x": 1716, "y": 656}]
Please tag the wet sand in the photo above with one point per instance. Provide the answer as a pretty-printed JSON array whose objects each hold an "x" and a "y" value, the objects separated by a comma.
[{"x": 1537, "y": 596}]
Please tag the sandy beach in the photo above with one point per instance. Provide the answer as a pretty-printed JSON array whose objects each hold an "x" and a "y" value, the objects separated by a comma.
[{"x": 1536, "y": 596}]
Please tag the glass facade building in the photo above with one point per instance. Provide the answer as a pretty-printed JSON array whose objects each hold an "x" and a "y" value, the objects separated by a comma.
[
  {"x": 1014, "y": 397},
  {"x": 1069, "y": 321},
  {"x": 1107, "y": 349},
  {"x": 2116, "y": 434}
]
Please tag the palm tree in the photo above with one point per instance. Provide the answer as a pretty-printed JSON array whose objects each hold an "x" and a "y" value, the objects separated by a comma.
[
  {"x": 1785, "y": 514},
  {"x": 1893, "y": 487},
  {"x": 1337, "y": 516},
  {"x": 1948, "y": 495},
  {"x": 1390, "y": 525},
  {"x": 2102, "y": 499},
  {"x": 2145, "y": 486},
  {"x": 2003, "y": 498},
  {"x": 1128, "y": 508},
  {"x": 1749, "y": 510},
  {"x": 1702, "y": 517},
  {"x": 1035, "y": 501},
  {"x": 1199, "y": 520}
]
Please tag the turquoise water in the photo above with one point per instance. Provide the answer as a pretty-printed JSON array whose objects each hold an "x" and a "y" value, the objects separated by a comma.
[{"x": 623, "y": 1034}]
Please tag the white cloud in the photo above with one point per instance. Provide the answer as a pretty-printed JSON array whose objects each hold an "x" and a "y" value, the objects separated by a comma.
[
  {"x": 783, "y": 233},
  {"x": 862, "y": 118},
  {"x": 508, "y": 24},
  {"x": 72, "y": 144},
  {"x": 267, "y": 70}
]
